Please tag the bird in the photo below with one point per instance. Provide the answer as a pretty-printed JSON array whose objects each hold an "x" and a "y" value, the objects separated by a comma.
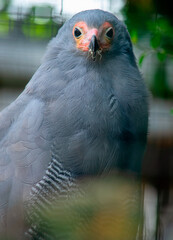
[{"x": 83, "y": 113}]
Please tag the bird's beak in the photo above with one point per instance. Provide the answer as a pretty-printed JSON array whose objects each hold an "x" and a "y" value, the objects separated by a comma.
[{"x": 94, "y": 46}]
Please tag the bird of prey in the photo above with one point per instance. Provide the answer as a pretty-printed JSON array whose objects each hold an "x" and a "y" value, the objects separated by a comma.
[{"x": 84, "y": 112}]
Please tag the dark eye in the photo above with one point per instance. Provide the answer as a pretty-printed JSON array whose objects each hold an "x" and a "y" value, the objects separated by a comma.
[
  {"x": 77, "y": 32},
  {"x": 109, "y": 33}
]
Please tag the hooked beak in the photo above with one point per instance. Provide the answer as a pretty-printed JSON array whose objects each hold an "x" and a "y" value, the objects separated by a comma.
[{"x": 94, "y": 46}]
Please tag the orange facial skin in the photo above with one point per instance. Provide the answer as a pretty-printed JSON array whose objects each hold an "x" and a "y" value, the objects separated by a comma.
[
  {"x": 105, "y": 42},
  {"x": 82, "y": 43}
]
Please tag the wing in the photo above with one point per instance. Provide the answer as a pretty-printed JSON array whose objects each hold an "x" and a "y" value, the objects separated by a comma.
[{"x": 24, "y": 155}]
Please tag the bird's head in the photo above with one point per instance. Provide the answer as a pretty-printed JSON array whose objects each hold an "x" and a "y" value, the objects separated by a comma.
[
  {"x": 93, "y": 40},
  {"x": 98, "y": 33},
  {"x": 93, "y": 34}
]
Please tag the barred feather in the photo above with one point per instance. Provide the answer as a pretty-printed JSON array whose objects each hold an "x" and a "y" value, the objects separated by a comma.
[{"x": 57, "y": 185}]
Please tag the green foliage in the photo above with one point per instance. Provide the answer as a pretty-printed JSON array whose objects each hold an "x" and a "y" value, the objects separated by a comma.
[
  {"x": 152, "y": 34},
  {"x": 161, "y": 55},
  {"x": 38, "y": 24},
  {"x": 159, "y": 85},
  {"x": 141, "y": 59},
  {"x": 160, "y": 36},
  {"x": 134, "y": 36},
  {"x": 39, "y": 30},
  {"x": 4, "y": 26},
  {"x": 155, "y": 40}
]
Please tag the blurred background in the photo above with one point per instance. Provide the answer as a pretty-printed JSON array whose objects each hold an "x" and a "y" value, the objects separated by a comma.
[{"x": 26, "y": 26}]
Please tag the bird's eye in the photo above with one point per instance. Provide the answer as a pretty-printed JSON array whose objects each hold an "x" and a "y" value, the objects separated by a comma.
[
  {"x": 109, "y": 33},
  {"x": 77, "y": 32}
]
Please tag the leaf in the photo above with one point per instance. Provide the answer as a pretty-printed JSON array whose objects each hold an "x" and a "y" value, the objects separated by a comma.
[
  {"x": 155, "y": 41},
  {"x": 134, "y": 36},
  {"x": 141, "y": 59},
  {"x": 161, "y": 55},
  {"x": 171, "y": 111}
]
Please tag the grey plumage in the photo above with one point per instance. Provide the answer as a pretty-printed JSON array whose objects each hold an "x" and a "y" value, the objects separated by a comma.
[{"x": 92, "y": 114}]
